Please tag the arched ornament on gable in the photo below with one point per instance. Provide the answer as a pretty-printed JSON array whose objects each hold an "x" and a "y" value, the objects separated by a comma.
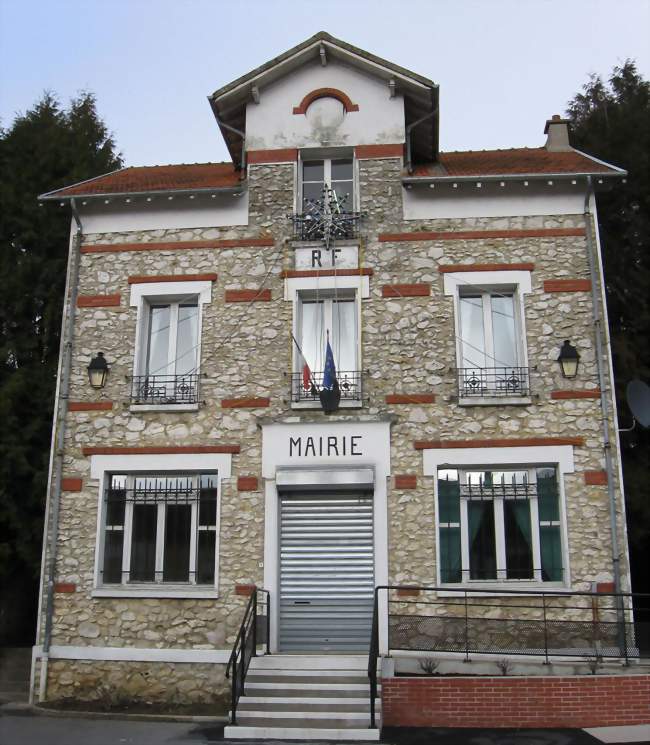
[{"x": 325, "y": 93}]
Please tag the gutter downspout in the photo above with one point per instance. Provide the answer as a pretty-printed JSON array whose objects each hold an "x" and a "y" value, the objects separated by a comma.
[
  {"x": 604, "y": 407},
  {"x": 409, "y": 129},
  {"x": 61, "y": 410}
]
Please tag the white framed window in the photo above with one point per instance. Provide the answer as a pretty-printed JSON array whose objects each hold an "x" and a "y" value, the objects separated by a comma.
[
  {"x": 168, "y": 344},
  {"x": 159, "y": 529},
  {"x": 491, "y": 353},
  {"x": 319, "y": 175},
  {"x": 323, "y": 317},
  {"x": 499, "y": 525}
]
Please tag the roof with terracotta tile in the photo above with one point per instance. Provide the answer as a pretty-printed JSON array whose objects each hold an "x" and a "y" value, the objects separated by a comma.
[
  {"x": 510, "y": 162},
  {"x": 148, "y": 179}
]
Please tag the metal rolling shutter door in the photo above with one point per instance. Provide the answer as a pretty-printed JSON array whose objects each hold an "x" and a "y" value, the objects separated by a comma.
[{"x": 326, "y": 571}]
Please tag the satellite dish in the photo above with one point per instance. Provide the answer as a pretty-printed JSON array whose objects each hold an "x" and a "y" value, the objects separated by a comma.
[{"x": 637, "y": 394}]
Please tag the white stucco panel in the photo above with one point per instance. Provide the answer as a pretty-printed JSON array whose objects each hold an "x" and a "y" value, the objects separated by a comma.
[{"x": 271, "y": 124}]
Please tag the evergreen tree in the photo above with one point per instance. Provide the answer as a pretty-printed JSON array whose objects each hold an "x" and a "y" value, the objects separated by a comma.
[
  {"x": 44, "y": 149},
  {"x": 612, "y": 121}
]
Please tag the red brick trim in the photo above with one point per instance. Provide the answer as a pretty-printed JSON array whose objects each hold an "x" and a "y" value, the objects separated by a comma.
[
  {"x": 98, "y": 301},
  {"x": 567, "y": 285},
  {"x": 418, "y": 290},
  {"x": 90, "y": 405},
  {"x": 564, "y": 395},
  {"x": 411, "y": 398},
  {"x": 498, "y": 443},
  {"x": 245, "y": 403},
  {"x": 247, "y": 296},
  {"x": 455, "y": 268},
  {"x": 64, "y": 587},
  {"x": 363, "y": 152},
  {"x": 361, "y": 272},
  {"x": 71, "y": 484},
  {"x": 139, "y": 279},
  {"x": 514, "y": 702},
  {"x": 469, "y": 235},
  {"x": 281, "y": 155},
  {"x": 595, "y": 478},
  {"x": 166, "y": 450},
  {"x": 407, "y": 592},
  {"x": 247, "y": 483},
  {"x": 605, "y": 587},
  {"x": 246, "y": 590},
  {"x": 325, "y": 93},
  {"x": 406, "y": 481},
  {"x": 110, "y": 248}
]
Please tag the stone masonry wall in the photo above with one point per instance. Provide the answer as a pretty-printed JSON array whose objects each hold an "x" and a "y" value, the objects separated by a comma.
[{"x": 408, "y": 347}]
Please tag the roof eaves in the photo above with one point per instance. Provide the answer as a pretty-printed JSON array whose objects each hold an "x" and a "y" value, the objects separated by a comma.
[
  {"x": 601, "y": 162},
  {"x": 320, "y": 37},
  {"x": 512, "y": 176},
  {"x": 52, "y": 194},
  {"x": 57, "y": 196}
]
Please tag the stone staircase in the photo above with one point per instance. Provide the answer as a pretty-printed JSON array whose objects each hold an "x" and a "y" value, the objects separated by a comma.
[
  {"x": 15, "y": 668},
  {"x": 306, "y": 697}
]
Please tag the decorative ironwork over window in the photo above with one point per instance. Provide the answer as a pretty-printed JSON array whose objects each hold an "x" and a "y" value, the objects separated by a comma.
[
  {"x": 326, "y": 219},
  {"x": 349, "y": 385},
  {"x": 481, "y": 382},
  {"x": 165, "y": 389}
]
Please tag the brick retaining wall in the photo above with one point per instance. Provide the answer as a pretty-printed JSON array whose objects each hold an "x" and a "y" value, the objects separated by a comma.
[{"x": 576, "y": 701}]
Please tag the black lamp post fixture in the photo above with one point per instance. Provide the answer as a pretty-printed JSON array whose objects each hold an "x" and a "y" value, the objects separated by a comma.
[
  {"x": 98, "y": 371},
  {"x": 568, "y": 359}
]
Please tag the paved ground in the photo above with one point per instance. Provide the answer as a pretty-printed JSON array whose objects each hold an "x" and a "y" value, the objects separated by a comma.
[{"x": 46, "y": 730}]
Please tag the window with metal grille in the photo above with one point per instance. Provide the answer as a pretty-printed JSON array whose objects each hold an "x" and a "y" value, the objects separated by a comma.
[
  {"x": 499, "y": 525},
  {"x": 160, "y": 528}
]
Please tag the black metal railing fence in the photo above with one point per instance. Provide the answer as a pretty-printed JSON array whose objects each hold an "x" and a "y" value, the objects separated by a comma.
[
  {"x": 488, "y": 382},
  {"x": 253, "y": 631},
  {"x": 349, "y": 385},
  {"x": 157, "y": 390},
  {"x": 586, "y": 625}
]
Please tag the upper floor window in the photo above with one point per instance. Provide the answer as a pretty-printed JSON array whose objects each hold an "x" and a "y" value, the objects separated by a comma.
[
  {"x": 491, "y": 343},
  {"x": 168, "y": 343},
  {"x": 323, "y": 318},
  {"x": 319, "y": 176}
]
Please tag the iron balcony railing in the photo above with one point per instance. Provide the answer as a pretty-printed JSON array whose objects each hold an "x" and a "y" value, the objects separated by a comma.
[
  {"x": 488, "y": 382},
  {"x": 253, "y": 631},
  {"x": 312, "y": 226},
  {"x": 586, "y": 625},
  {"x": 165, "y": 389},
  {"x": 349, "y": 384}
]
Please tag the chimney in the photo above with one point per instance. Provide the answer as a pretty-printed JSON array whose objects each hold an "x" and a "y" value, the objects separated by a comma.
[{"x": 557, "y": 134}]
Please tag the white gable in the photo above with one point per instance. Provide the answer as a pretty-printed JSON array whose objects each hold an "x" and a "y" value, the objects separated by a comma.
[{"x": 271, "y": 123}]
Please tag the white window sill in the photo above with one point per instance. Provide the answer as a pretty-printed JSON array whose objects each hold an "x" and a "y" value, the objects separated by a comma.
[
  {"x": 495, "y": 400},
  {"x": 156, "y": 592},
  {"x": 501, "y": 589},
  {"x": 164, "y": 407},
  {"x": 317, "y": 405}
]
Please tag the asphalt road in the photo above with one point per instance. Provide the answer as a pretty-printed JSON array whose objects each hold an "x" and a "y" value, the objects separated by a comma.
[{"x": 45, "y": 730}]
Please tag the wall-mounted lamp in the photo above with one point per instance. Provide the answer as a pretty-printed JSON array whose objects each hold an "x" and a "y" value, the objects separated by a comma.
[
  {"x": 568, "y": 359},
  {"x": 98, "y": 371}
]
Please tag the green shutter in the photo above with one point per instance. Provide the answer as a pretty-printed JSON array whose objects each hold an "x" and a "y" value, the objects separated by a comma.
[
  {"x": 551, "y": 551},
  {"x": 449, "y": 512},
  {"x": 548, "y": 499}
]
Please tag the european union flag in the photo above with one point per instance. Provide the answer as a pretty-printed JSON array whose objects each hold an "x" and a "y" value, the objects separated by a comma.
[{"x": 329, "y": 374}]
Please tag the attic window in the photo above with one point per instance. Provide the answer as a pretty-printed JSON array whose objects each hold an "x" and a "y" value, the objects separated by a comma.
[{"x": 325, "y": 113}]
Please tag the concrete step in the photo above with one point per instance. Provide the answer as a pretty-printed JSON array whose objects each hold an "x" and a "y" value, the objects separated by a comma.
[
  {"x": 290, "y": 720},
  {"x": 274, "y": 732},
  {"x": 339, "y": 677},
  {"x": 311, "y": 689},
  {"x": 304, "y": 705},
  {"x": 310, "y": 662}
]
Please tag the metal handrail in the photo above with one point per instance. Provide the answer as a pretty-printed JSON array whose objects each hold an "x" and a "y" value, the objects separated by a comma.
[
  {"x": 625, "y": 633},
  {"x": 245, "y": 647}
]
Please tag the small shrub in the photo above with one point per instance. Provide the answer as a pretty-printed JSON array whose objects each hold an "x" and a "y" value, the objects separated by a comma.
[{"x": 428, "y": 665}]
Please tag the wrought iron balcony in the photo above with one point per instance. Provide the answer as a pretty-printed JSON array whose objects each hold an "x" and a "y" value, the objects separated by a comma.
[
  {"x": 349, "y": 385},
  {"x": 159, "y": 390},
  {"x": 311, "y": 226},
  {"x": 489, "y": 382}
]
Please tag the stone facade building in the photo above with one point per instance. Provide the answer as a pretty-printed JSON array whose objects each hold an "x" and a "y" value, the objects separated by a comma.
[{"x": 454, "y": 453}]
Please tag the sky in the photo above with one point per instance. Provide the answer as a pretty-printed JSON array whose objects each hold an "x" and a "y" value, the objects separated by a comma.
[{"x": 503, "y": 66}]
